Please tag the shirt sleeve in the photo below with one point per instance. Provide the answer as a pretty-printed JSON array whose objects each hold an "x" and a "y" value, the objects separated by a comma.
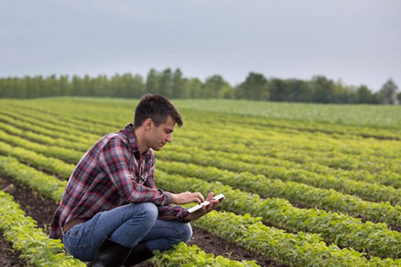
[
  {"x": 166, "y": 212},
  {"x": 114, "y": 161},
  {"x": 173, "y": 213}
]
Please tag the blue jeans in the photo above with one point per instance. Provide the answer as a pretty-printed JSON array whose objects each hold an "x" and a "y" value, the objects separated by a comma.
[{"x": 126, "y": 225}]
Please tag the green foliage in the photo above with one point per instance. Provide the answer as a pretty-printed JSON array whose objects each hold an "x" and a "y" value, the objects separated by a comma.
[
  {"x": 172, "y": 84},
  {"x": 188, "y": 256},
  {"x": 36, "y": 248},
  {"x": 301, "y": 160},
  {"x": 388, "y": 92}
]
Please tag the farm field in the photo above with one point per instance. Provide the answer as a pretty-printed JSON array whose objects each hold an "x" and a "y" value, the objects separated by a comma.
[{"x": 305, "y": 185}]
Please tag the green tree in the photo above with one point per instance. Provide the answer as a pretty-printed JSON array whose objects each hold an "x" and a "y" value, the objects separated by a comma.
[
  {"x": 254, "y": 87},
  {"x": 166, "y": 83},
  {"x": 193, "y": 88},
  {"x": 389, "y": 92},
  {"x": 278, "y": 90},
  {"x": 178, "y": 84},
  {"x": 152, "y": 82},
  {"x": 137, "y": 89},
  {"x": 215, "y": 87},
  {"x": 364, "y": 95},
  {"x": 322, "y": 89},
  {"x": 77, "y": 86},
  {"x": 64, "y": 85}
]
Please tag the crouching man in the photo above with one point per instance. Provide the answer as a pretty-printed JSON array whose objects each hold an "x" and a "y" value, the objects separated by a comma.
[{"x": 111, "y": 212}]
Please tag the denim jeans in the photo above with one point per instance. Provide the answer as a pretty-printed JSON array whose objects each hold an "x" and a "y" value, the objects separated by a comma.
[{"x": 127, "y": 225}]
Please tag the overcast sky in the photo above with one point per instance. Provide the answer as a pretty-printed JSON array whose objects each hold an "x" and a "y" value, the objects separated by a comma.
[{"x": 357, "y": 41}]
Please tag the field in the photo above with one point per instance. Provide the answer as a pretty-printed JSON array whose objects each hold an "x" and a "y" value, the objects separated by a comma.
[{"x": 305, "y": 185}]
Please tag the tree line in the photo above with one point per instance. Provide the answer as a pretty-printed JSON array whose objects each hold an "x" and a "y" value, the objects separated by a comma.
[{"x": 173, "y": 84}]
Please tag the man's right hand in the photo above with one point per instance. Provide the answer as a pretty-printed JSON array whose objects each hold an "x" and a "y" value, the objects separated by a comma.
[
  {"x": 204, "y": 210},
  {"x": 187, "y": 197}
]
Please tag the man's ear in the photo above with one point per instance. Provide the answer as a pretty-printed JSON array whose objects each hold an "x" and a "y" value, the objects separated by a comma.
[{"x": 148, "y": 123}]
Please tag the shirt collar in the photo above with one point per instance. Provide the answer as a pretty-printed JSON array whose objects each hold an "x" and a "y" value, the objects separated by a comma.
[{"x": 133, "y": 141}]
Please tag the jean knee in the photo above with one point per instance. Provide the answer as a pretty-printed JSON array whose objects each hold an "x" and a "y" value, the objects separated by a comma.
[
  {"x": 149, "y": 210},
  {"x": 186, "y": 232}
]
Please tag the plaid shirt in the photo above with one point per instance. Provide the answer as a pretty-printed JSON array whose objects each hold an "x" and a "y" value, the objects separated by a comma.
[{"x": 112, "y": 173}]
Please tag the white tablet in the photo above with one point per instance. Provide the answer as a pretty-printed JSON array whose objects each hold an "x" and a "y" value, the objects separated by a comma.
[{"x": 219, "y": 197}]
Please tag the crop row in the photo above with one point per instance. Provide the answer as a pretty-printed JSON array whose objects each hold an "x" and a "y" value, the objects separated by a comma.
[
  {"x": 272, "y": 243},
  {"x": 368, "y": 191},
  {"x": 374, "y": 239},
  {"x": 286, "y": 159},
  {"x": 385, "y": 176},
  {"x": 39, "y": 250},
  {"x": 46, "y": 129},
  {"x": 294, "y": 192},
  {"x": 280, "y": 210},
  {"x": 350, "y": 231},
  {"x": 35, "y": 246},
  {"x": 296, "y": 250},
  {"x": 265, "y": 137},
  {"x": 91, "y": 106}
]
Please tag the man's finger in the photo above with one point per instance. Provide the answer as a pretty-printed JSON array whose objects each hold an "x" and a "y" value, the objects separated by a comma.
[
  {"x": 210, "y": 196},
  {"x": 199, "y": 197}
]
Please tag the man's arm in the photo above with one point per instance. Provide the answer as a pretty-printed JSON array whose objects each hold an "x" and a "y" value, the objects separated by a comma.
[
  {"x": 114, "y": 161},
  {"x": 173, "y": 212}
]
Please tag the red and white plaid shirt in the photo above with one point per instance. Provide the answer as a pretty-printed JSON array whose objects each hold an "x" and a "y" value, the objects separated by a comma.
[{"x": 112, "y": 173}]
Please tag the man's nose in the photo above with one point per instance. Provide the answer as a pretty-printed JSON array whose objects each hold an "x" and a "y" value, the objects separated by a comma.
[{"x": 169, "y": 138}]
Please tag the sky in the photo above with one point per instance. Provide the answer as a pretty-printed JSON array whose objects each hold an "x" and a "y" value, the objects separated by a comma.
[{"x": 356, "y": 42}]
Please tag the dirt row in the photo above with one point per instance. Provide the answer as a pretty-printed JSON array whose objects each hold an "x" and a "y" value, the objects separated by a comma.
[{"x": 42, "y": 209}]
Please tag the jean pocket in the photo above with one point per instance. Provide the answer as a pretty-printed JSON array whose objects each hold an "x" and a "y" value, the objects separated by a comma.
[
  {"x": 74, "y": 231},
  {"x": 79, "y": 244}
]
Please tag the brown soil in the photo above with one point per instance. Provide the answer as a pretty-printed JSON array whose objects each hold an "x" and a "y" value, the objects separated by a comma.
[
  {"x": 9, "y": 258},
  {"x": 42, "y": 209}
]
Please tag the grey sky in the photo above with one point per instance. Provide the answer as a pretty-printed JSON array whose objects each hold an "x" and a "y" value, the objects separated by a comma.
[{"x": 357, "y": 41}]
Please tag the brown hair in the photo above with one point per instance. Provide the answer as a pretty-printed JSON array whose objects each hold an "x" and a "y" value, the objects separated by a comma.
[{"x": 156, "y": 107}]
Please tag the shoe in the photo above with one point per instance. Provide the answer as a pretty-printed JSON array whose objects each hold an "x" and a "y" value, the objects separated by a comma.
[
  {"x": 138, "y": 254},
  {"x": 110, "y": 254}
]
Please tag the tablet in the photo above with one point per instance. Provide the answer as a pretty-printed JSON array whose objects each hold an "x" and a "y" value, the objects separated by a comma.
[{"x": 219, "y": 197}]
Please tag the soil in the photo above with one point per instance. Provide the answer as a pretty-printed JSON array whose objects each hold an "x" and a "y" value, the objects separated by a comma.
[
  {"x": 42, "y": 209},
  {"x": 9, "y": 258}
]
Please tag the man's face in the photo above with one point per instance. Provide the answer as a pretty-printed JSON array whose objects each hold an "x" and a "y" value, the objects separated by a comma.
[{"x": 159, "y": 136}]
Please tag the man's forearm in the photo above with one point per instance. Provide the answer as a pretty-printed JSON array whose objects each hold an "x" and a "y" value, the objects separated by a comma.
[{"x": 187, "y": 197}]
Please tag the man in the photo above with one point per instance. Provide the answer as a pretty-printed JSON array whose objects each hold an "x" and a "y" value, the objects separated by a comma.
[{"x": 111, "y": 212}]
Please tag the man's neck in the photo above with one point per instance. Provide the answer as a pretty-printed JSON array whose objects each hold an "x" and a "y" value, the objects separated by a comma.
[{"x": 139, "y": 133}]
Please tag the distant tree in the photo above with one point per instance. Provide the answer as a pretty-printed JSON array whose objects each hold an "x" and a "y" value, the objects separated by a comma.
[
  {"x": 299, "y": 91},
  {"x": 254, "y": 87},
  {"x": 216, "y": 87},
  {"x": 278, "y": 90},
  {"x": 389, "y": 92},
  {"x": 363, "y": 95},
  {"x": 322, "y": 89},
  {"x": 193, "y": 88},
  {"x": 77, "y": 86},
  {"x": 166, "y": 83},
  {"x": 64, "y": 85},
  {"x": 152, "y": 82},
  {"x": 178, "y": 84},
  {"x": 399, "y": 98},
  {"x": 34, "y": 84},
  {"x": 137, "y": 87}
]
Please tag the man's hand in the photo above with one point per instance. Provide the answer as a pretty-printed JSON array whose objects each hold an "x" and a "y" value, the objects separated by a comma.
[
  {"x": 205, "y": 209},
  {"x": 187, "y": 197}
]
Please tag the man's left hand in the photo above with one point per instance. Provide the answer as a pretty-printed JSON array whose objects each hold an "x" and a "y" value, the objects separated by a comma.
[{"x": 204, "y": 210}]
